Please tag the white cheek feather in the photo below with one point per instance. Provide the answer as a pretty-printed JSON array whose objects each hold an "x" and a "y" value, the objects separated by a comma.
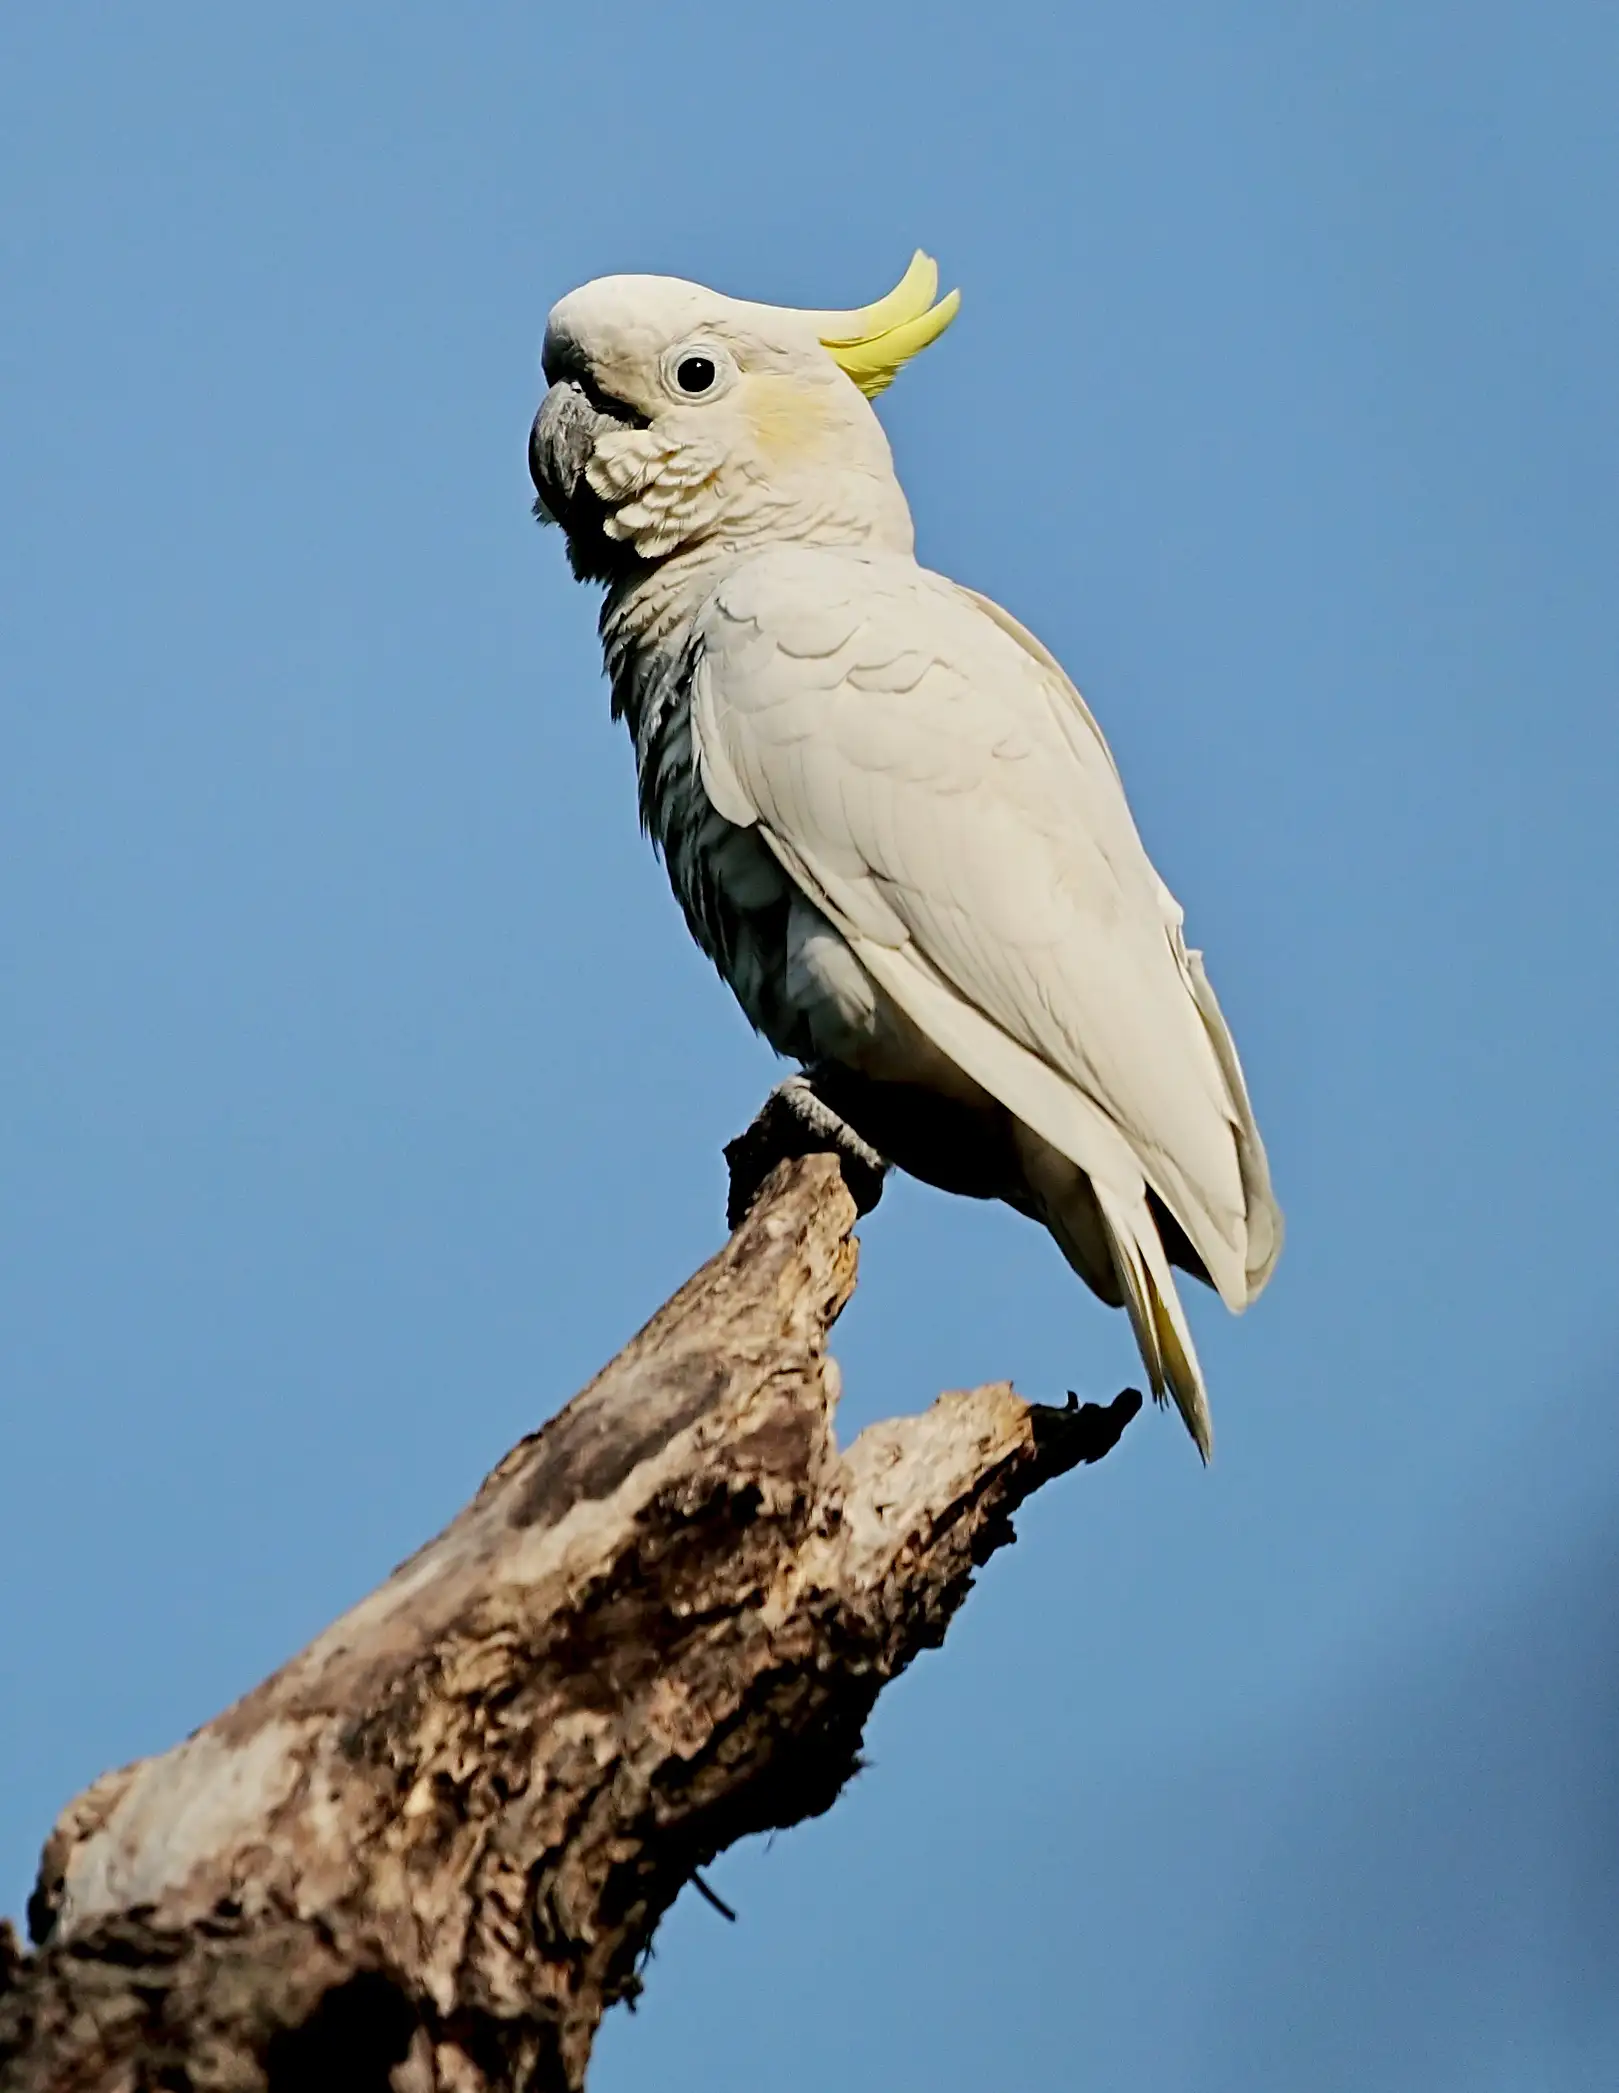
[{"x": 662, "y": 490}]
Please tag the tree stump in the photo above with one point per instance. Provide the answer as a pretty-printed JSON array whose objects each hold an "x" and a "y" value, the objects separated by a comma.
[{"x": 430, "y": 1851}]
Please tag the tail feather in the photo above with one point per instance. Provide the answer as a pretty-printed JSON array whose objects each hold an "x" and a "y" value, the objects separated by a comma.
[
  {"x": 1264, "y": 1216},
  {"x": 1110, "y": 1238},
  {"x": 1156, "y": 1315}
]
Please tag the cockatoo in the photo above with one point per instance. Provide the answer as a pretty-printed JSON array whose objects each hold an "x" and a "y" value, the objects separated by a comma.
[{"x": 887, "y": 814}]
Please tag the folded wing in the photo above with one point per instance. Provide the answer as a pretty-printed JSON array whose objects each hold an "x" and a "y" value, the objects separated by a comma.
[{"x": 928, "y": 775}]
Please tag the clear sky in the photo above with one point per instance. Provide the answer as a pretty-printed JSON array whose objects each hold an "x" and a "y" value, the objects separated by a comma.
[{"x": 360, "y": 1092}]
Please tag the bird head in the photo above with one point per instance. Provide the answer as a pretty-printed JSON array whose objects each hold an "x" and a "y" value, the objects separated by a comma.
[{"x": 678, "y": 417}]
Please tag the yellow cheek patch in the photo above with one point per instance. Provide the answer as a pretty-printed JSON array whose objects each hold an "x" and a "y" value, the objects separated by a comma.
[{"x": 789, "y": 419}]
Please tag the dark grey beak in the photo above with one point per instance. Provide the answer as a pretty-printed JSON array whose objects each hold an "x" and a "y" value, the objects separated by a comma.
[{"x": 559, "y": 447}]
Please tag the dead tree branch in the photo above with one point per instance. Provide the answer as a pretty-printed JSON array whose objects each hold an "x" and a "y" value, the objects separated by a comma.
[{"x": 430, "y": 1851}]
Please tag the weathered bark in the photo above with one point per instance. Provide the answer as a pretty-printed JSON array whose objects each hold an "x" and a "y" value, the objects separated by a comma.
[{"x": 432, "y": 1850}]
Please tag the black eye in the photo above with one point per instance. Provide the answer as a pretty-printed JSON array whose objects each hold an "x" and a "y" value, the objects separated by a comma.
[{"x": 695, "y": 373}]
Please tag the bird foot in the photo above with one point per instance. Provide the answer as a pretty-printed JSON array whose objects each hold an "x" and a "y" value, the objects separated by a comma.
[
  {"x": 1082, "y": 1432},
  {"x": 795, "y": 1121}
]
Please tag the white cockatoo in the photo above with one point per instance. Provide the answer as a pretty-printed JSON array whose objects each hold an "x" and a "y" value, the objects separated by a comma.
[{"x": 888, "y": 815}]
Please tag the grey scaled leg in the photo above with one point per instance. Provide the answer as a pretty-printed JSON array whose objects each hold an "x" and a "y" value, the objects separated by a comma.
[{"x": 796, "y": 1121}]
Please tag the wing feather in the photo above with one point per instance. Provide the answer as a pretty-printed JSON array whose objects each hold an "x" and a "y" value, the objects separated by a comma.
[{"x": 928, "y": 776}]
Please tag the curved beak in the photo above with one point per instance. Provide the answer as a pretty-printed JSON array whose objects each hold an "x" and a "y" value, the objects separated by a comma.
[{"x": 559, "y": 448}]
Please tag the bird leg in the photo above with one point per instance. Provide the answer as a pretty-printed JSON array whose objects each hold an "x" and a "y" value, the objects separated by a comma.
[{"x": 795, "y": 1120}]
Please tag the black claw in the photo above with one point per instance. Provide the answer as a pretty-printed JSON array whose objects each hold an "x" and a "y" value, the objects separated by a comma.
[{"x": 713, "y": 1897}]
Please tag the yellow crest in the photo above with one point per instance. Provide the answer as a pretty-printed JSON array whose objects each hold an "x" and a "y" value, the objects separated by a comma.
[{"x": 872, "y": 343}]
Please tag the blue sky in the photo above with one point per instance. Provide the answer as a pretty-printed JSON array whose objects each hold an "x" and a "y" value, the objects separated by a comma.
[{"x": 359, "y": 1091}]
